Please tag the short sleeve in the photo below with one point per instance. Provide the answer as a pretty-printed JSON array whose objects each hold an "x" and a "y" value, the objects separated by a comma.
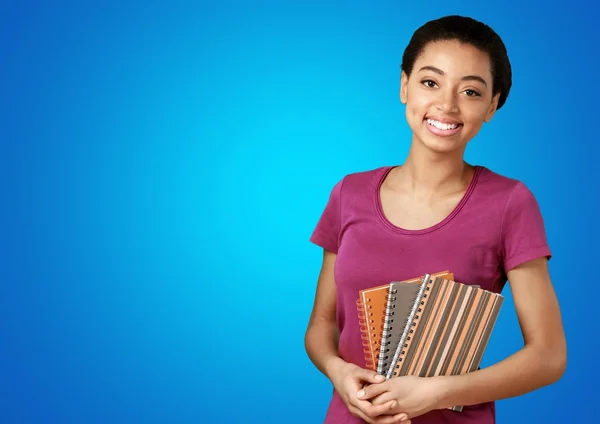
[
  {"x": 523, "y": 231},
  {"x": 327, "y": 231}
]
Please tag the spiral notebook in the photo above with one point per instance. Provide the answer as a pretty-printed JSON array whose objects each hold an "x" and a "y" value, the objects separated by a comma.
[
  {"x": 447, "y": 330},
  {"x": 371, "y": 305},
  {"x": 399, "y": 304}
]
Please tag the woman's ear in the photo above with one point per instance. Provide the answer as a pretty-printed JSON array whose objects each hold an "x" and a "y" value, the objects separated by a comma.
[
  {"x": 493, "y": 107},
  {"x": 403, "y": 87}
]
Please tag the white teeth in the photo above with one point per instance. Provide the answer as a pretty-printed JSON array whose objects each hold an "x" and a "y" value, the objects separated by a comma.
[{"x": 442, "y": 126}]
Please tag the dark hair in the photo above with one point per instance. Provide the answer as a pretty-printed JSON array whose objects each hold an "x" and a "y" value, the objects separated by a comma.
[{"x": 469, "y": 31}]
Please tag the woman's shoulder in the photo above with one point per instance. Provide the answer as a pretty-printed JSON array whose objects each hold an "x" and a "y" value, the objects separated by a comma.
[
  {"x": 369, "y": 173},
  {"x": 507, "y": 192},
  {"x": 495, "y": 182},
  {"x": 361, "y": 180}
]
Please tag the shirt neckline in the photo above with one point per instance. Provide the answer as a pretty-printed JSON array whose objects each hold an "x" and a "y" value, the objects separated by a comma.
[{"x": 398, "y": 230}]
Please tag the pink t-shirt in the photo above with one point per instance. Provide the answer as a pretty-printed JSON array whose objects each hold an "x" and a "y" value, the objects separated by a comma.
[{"x": 496, "y": 226}]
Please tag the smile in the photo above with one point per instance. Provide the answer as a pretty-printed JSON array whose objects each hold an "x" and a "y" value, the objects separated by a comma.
[
  {"x": 443, "y": 129},
  {"x": 442, "y": 126}
]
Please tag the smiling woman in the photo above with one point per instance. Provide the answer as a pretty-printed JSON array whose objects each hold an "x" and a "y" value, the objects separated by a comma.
[
  {"x": 436, "y": 212},
  {"x": 452, "y": 93}
]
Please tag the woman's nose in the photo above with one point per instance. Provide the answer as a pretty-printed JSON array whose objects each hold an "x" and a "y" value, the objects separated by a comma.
[{"x": 447, "y": 102}]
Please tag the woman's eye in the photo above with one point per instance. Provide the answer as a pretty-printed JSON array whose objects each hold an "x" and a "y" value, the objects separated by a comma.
[
  {"x": 429, "y": 83},
  {"x": 472, "y": 93}
]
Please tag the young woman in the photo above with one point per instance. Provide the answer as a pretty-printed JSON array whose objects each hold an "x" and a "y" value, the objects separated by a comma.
[{"x": 436, "y": 212}]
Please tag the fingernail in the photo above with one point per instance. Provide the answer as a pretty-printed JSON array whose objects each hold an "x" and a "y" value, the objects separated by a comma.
[
  {"x": 393, "y": 405},
  {"x": 380, "y": 377},
  {"x": 361, "y": 393}
]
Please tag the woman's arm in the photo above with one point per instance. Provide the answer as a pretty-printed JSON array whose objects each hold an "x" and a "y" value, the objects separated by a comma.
[
  {"x": 321, "y": 340},
  {"x": 322, "y": 335},
  {"x": 542, "y": 360}
]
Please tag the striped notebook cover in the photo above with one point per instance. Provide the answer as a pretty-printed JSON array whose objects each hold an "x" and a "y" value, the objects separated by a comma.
[
  {"x": 447, "y": 331},
  {"x": 371, "y": 306}
]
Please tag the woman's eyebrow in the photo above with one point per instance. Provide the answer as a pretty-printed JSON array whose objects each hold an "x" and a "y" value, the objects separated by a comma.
[{"x": 465, "y": 78}]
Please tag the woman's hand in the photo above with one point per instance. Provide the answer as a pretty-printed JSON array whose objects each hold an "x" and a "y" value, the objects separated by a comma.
[
  {"x": 348, "y": 379},
  {"x": 414, "y": 396}
]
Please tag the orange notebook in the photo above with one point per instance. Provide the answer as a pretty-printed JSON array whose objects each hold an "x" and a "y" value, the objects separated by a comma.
[{"x": 371, "y": 306}]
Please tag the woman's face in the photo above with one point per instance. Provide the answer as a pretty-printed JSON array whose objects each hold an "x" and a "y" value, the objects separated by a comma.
[{"x": 448, "y": 95}]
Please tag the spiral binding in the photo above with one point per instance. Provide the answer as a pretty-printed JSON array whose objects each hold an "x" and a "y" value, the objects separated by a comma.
[
  {"x": 364, "y": 323},
  {"x": 411, "y": 321},
  {"x": 386, "y": 328}
]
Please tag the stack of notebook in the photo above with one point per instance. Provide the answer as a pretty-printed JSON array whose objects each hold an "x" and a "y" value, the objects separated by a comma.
[{"x": 426, "y": 326}]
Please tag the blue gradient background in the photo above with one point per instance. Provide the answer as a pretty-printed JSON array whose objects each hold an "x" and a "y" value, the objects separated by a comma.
[{"x": 162, "y": 168}]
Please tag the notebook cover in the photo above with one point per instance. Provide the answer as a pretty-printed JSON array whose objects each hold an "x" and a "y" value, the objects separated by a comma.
[
  {"x": 400, "y": 301},
  {"x": 450, "y": 331},
  {"x": 371, "y": 307}
]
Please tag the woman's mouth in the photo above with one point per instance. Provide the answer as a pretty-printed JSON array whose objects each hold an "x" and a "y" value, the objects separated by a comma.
[{"x": 443, "y": 128}]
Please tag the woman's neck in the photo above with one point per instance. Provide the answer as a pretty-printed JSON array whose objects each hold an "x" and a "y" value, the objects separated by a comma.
[{"x": 433, "y": 174}]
